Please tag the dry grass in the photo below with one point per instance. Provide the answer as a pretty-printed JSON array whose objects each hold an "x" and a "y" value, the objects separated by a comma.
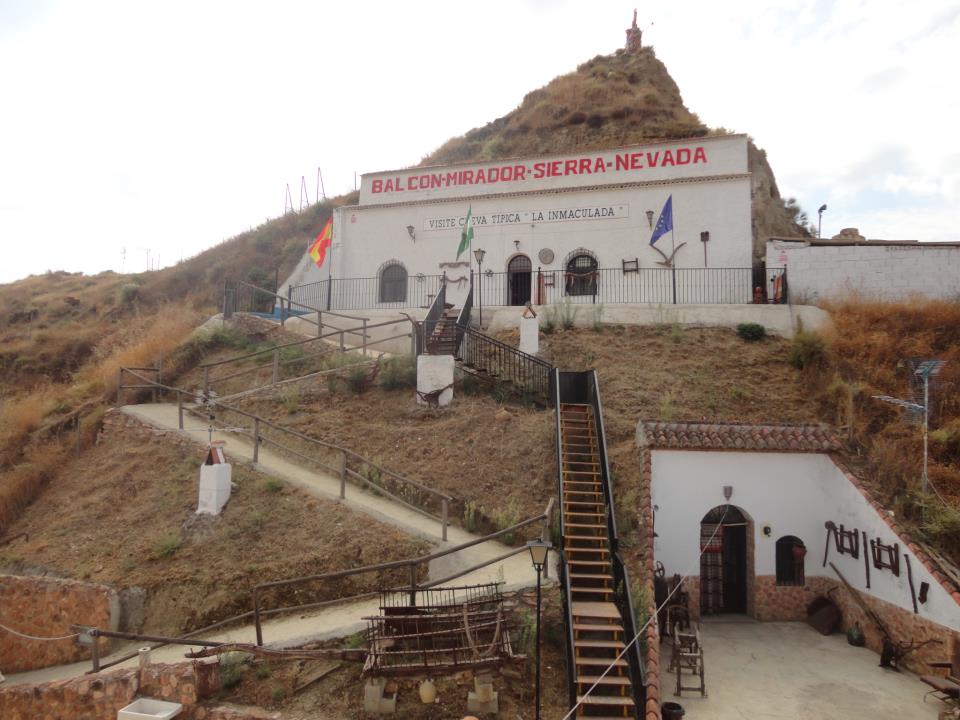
[
  {"x": 20, "y": 485},
  {"x": 124, "y": 515},
  {"x": 868, "y": 349}
]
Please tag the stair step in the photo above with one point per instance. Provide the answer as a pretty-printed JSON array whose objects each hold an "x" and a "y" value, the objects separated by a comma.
[
  {"x": 591, "y": 591},
  {"x": 600, "y": 662},
  {"x": 613, "y": 644},
  {"x": 588, "y": 576},
  {"x": 586, "y": 537},
  {"x": 601, "y": 550},
  {"x": 582, "y": 512},
  {"x": 619, "y": 700},
  {"x": 598, "y": 627},
  {"x": 595, "y": 526},
  {"x": 571, "y": 561}
]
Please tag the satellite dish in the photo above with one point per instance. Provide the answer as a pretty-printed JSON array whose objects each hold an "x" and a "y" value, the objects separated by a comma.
[{"x": 546, "y": 256}]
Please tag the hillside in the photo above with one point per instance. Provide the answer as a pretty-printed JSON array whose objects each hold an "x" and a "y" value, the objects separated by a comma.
[{"x": 612, "y": 100}]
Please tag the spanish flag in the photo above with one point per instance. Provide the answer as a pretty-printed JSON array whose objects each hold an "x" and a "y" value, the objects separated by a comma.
[{"x": 318, "y": 251}]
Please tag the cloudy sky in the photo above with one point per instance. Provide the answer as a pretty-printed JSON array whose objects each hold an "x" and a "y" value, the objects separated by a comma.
[{"x": 137, "y": 132}]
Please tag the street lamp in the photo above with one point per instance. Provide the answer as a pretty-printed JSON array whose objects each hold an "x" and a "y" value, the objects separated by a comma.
[
  {"x": 538, "y": 554},
  {"x": 822, "y": 209},
  {"x": 478, "y": 254}
]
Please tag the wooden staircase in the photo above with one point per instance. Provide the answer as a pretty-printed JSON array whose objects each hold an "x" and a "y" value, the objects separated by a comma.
[{"x": 598, "y": 633}]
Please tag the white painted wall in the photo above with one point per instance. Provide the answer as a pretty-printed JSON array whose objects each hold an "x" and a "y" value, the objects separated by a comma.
[
  {"x": 892, "y": 272},
  {"x": 667, "y": 160},
  {"x": 796, "y": 493}
]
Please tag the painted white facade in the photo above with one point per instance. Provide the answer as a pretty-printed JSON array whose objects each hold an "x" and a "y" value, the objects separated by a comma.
[
  {"x": 549, "y": 219},
  {"x": 794, "y": 493},
  {"x": 883, "y": 271}
]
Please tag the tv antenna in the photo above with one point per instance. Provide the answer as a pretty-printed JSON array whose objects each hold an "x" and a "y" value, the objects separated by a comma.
[
  {"x": 320, "y": 187},
  {"x": 288, "y": 204},
  {"x": 304, "y": 195},
  {"x": 922, "y": 371}
]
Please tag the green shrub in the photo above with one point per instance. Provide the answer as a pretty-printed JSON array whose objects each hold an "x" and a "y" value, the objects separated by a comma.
[
  {"x": 128, "y": 293},
  {"x": 505, "y": 517},
  {"x": 231, "y": 669},
  {"x": 751, "y": 332},
  {"x": 166, "y": 545},
  {"x": 290, "y": 398},
  {"x": 357, "y": 380},
  {"x": 471, "y": 515},
  {"x": 399, "y": 373},
  {"x": 807, "y": 350},
  {"x": 597, "y": 317},
  {"x": 273, "y": 485}
]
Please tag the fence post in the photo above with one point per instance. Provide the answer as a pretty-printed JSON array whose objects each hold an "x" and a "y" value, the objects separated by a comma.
[
  {"x": 443, "y": 514},
  {"x": 256, "y": 439},
  {"x": 206, "y": 382},
  {"x": 276, "y": 365},
  {"x": 160, "y": 373},
  {"x": 413, "y": 341},
  {"x": 119, "y": 385},
  {"x": 342, "y": 347},
  {"x": 180, "y": 409},
  {"x": 95, "y": 650},
  {"x": 256, "y": 617},
  {"x": 343, "y": 475},
  {"x": 364, "y": 350},
  {"x": 78, "y": 434},
  {"x": 413, "y": 584},
  {"x": 319, "y": 323}
]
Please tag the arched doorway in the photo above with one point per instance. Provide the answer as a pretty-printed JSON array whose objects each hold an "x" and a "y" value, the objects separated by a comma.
[
  {"x": 725, "y": 561},
  {"x": 519, "y": 276}
]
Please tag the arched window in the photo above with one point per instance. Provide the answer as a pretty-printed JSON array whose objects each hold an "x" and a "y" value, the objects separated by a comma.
[
  {"x": 581, "y": 276},
  {"x": 790, "y": 556},
  {"x": 393, "y": 283}
]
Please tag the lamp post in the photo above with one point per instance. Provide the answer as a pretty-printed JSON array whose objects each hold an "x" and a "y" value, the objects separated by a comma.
[
  {"x": 820, "y": 212},
  {"x": 478, "y": 254},
  {"x": 538, "y": 554}
]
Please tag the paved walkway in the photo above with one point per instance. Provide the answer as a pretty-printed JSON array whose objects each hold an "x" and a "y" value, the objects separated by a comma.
[
  {"x": 789, "y": 671},
  {"x": 339, "y": 620}
]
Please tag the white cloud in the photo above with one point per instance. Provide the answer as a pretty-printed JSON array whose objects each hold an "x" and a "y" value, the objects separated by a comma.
[{"x": 173, "y": 125}]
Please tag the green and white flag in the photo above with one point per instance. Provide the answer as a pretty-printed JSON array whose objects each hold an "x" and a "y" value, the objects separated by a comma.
[{"x": 466, "y": 235}]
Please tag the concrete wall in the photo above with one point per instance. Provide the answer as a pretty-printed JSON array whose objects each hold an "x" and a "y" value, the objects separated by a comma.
[
  {"x": 777, "y": 319},
  {"x": 795, "y": 493},
  {"x": 890, "y": 272},
  {"x": 47, "y": 607}
]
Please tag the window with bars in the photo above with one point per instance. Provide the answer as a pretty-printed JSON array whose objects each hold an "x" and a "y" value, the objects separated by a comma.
[
  {"x": 393, "y": 283},
  {"x": 582, "y": 275}
]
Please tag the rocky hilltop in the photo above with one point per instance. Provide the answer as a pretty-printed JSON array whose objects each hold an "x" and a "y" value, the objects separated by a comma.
[{"x": 612, "y": 100}]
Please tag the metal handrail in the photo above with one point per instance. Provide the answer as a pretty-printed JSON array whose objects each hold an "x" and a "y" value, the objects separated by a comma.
[
  {"x": 483, "y": 351},
  {"x": 411, "y": 563},
  {"x": 260, "y": 422},
  {"x": 564, "y": 570},
  {"x": 298, "y": 304},
  {"x": 429, "y": 323}
]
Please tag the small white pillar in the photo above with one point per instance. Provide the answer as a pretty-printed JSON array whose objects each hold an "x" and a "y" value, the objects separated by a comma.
[
  {"x": 214, "y": 481},
  {"x": 435, "y": 380},
  {"x": 529, "y": 331}
]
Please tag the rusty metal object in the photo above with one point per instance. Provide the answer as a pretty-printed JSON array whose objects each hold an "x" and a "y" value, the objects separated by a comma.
[
  {"x": 913, "y": 592},
  {"x": 351, "y": 654},
  {"x": 866, "y": 558}
]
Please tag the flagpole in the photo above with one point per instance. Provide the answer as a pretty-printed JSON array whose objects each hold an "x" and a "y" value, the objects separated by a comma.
[{"x": 673, "y": 262}]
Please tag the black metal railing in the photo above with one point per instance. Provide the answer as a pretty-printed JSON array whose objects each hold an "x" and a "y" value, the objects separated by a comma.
[
  {"x": 504, "y": 363},
  {"x": 584, "y": 388},
  {"x": 463, "y": 319},
  {"x": 363, "y": 293},
  {"x": 613, "y": 286},
  {"x": 434, "y": 315},
  {"x": 621, "y": 577},
  {"x": 566, "y": 597}
]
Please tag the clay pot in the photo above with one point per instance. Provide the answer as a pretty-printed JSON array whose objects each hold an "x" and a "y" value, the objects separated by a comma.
[{"x": 428, "y": 692}]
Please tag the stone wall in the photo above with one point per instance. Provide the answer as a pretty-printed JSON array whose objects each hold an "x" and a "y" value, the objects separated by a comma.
[
  {"x": 46, "y": 607},
  {"x": 99, "y": 697},
  {"x": 651, "y": 654}
]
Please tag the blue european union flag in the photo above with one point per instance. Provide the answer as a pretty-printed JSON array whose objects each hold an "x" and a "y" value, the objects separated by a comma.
[{"x": 665, "y": 223}]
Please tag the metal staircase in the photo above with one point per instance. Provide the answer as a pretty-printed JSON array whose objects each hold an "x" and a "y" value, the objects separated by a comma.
[
  {"x": 447, "y": 331},
  {"x": 595, "y": 584}
]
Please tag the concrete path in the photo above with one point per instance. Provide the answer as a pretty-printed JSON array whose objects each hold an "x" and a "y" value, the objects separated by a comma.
[
  {"x": 338, "y": 620},
  {"x": 789, "y": 671}
]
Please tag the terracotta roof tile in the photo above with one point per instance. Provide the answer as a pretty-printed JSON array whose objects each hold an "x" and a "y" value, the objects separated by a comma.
[{"x": 736, "y": 436}]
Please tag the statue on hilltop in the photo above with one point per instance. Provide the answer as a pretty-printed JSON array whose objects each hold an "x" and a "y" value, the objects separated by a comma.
[{"x": 634, "y": 34}]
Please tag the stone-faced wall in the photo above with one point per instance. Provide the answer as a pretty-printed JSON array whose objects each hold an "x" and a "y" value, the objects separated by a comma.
[
  {"x": 99, "y": 697},
  {"x": 47, "y": 607},
  {"x": 652, "y": 646}
]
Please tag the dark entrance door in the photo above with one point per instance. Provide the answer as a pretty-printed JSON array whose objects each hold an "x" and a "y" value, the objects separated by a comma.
[
  {"x": 519, "y": 275},
  {"x": 723, "y": 561},
  {"x": 734, "y": 569}
]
